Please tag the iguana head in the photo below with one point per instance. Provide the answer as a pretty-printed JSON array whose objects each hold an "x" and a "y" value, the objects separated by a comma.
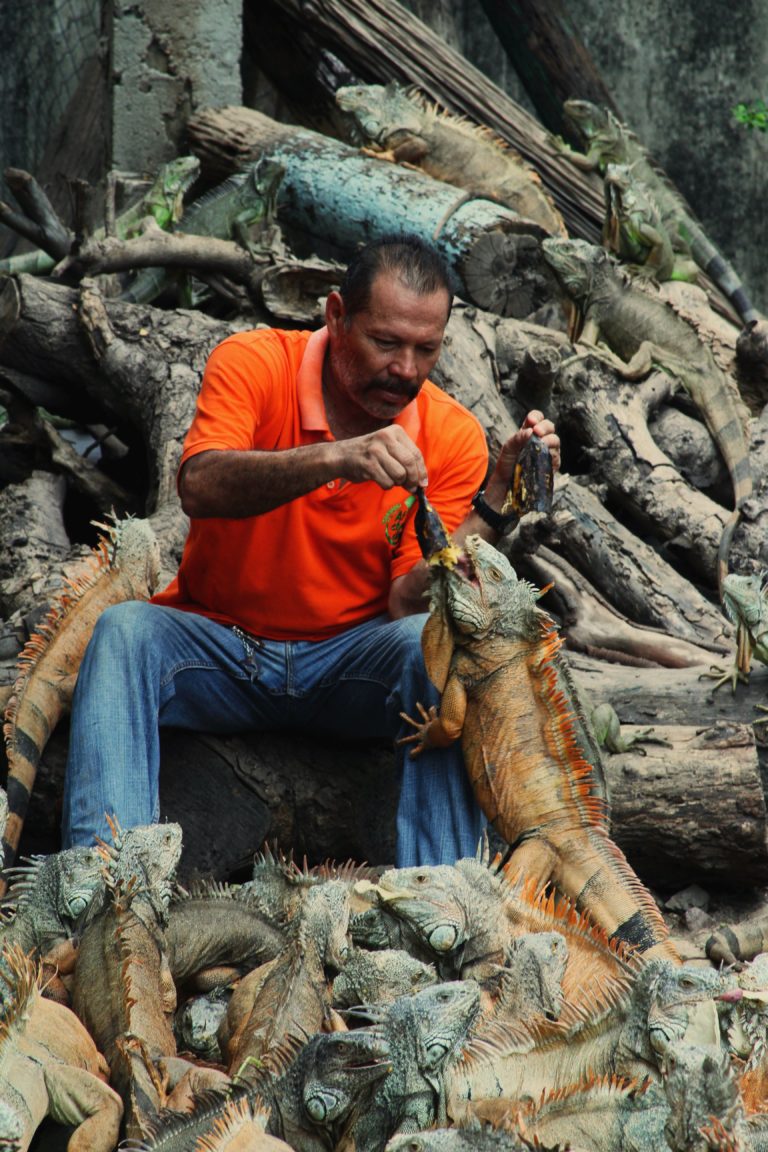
[
  {"x": 336, "y": 1068},
  {"x": 576, "y": 263},
  {"x": 378, "y": 110},
  {"x": 533, "y": 972},
  {"x": 602, "y": 133},
  {"x": 587, "y": 118},
  {"x": 443, "y": 1016},
  {"x": 674, "y": 993},
  {"x": 432, "y": 901},
  {"x": 382, "y": 975},
  {"x": 699, "y": 1084},
  {"x": 745, "y": 599},
  {"x": 481, "y": 594}
]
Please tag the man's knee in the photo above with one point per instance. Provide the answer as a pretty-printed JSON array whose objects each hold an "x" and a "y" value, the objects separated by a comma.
[{"x": 126, "y": 627}]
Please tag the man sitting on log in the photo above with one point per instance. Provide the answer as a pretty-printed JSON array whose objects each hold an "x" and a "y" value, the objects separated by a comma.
[{"x": 300, "y": 598}]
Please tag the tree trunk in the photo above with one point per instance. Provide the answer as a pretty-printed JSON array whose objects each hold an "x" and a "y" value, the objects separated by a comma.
[
  {"x": 336, "y": 196},
  {"x": 548, "y": 55}
]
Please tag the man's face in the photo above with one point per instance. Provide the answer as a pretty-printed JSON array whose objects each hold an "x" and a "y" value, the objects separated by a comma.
[{"x": 380, "y": 358}]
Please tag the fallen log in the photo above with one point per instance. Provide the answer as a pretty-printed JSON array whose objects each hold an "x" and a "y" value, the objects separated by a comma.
[
  {"x": 675, "y": 828},
  {"x": 610, "y": 418},
  {"x": 692, "y": 812},
  {"x": 335, "y": 195}
]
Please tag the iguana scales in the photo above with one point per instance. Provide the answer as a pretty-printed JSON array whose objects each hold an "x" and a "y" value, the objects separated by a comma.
[
  {"x": 125, "y": 565},
  {"x": 507, "y": 693},
  {"x": 641, "y": 330}
]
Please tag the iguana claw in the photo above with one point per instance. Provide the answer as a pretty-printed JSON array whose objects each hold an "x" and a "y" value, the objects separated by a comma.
[{"x": 419, "y": 738}]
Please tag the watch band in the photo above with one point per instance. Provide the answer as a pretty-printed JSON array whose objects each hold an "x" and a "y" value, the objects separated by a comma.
[{"x": 500, "y": 523}]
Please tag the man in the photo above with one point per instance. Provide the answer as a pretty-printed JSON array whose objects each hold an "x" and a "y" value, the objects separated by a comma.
[{"x": 299, "y": 601}]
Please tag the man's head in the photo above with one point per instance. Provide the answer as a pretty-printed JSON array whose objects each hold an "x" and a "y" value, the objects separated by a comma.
[
  {"x": 386, "y": 325},
  {"x": 408, "y": 258}
]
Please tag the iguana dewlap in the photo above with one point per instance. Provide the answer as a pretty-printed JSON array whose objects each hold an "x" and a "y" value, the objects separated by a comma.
[{"x": 506, "y": 692}]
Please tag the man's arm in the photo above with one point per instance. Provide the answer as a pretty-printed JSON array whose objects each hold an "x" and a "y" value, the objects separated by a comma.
[
  {"x": 407, "y": 594},
  {"x": 235, "y": 484}
]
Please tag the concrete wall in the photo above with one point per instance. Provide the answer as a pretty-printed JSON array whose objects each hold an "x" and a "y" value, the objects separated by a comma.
[{"x": 169, "y": 58}]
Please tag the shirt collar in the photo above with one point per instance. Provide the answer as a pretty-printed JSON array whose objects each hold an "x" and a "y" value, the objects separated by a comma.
[{"x": 309, "y": 386}]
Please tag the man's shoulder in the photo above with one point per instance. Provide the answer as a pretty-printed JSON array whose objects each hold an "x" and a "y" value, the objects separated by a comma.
[
  {"x": 266, "y": 341},
  {"x": 439, "y": 404}
]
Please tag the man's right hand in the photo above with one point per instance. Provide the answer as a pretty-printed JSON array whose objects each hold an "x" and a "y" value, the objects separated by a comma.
[{"x": 387, "y": 456}]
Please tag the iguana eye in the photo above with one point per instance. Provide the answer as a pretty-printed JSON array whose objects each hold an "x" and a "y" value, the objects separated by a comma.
[{"x": 495, "y": 575}]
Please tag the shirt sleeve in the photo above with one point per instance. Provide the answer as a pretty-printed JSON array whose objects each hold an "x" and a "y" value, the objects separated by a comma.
[
  {"x": 452, "y": 485},
  {"x": 241, "y": 384}
]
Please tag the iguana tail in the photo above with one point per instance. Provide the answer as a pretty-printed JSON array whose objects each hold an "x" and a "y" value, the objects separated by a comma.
[
  {"x": 124, "y": 565},
  {"x": 718, "y": 269}
]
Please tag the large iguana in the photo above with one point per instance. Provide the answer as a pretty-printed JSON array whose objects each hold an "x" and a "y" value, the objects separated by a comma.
[
  {"x": 507, "y": 693},
  {"x": 49, "y": 1066},
  {"x": 642, "y": 331},
  {"x": 609, "y": 141},
  {"x": 630, "y": 1037},
  {"x": 162, "y": 202},
  {"x": 290, "y": 997},
  {"x": 49, "y": 898},
  {"x": 125, "y": 565},
  {"x": 230, "y": 211},
  {"x": 633, "y": 229},
  {"x": 424, "y": 1032},
  {"x": 123, "y": 989},
  {"x": 212, "y": 937},
  {"x": 402, "y": 126}
]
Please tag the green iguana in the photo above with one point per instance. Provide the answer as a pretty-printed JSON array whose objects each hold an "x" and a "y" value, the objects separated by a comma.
[
  {"x": 532, "y": 761},
  {"x": 380, "y": 977},
  {"x": 49, "y": 898},
  {"x": 633, "y": 229},
  {"x": 745, "y": 600},
  {"x": 163, "y": 202},
  {"x": 631, "y": 1037},
  {"x": 230, "y": 211},
  {"x": 290, "y": 997},
  {"x": 125, "y": 565},
  {"x": 609, "y": 141},
  {"x": 124, "y": 994},
  {"x": 424, "y": 1033},
  {"x": 401, "y": 125},
  {"x": 641, "y": 331}
]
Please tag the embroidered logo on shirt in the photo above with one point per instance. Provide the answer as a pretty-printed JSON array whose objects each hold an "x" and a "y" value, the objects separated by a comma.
[{"x": 394, "y": 520}]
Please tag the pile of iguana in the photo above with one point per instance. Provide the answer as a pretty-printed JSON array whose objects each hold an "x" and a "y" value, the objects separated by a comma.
[
  {"x": 532, "y": 761},
  {"x": 608, "y": 141},
  {"x": 399, "y": 124},
  {"x": 125, "y": 565},
  {"x": 641, "y": 331},
  {"x": 162, "y": 202}
]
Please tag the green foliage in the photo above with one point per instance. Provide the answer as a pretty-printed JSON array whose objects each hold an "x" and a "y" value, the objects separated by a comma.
[{"x": 754, "y": 115}]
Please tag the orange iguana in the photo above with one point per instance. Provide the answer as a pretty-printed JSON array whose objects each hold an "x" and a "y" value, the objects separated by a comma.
[
  {"x": 507, "y": 693},
  {"x": 125, "y": 565}
]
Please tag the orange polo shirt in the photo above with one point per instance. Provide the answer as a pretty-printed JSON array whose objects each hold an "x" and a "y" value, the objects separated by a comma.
[{"x": 324, "y": 562}]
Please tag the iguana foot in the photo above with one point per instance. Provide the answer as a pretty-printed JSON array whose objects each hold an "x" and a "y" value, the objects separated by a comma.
[
  {"x": 734, "y": 674},
  {"x": 419, "y": 738}
]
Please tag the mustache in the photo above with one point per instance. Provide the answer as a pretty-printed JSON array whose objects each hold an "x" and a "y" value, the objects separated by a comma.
[{"x": 399, "y": 387}]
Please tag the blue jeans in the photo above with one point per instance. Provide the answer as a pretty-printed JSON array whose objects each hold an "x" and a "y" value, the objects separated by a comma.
[{"x": 148, "y": 666}]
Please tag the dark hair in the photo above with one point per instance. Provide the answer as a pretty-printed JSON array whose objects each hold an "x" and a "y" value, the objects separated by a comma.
[{"x": 418, "y": 264}]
